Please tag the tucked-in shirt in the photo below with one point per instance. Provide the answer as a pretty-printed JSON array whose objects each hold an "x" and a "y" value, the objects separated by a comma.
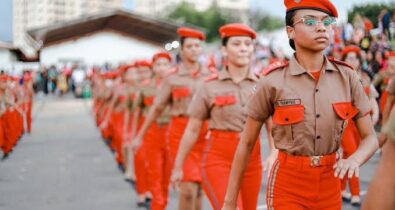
[
  {"x": 222, "y": 102},
  {"x": 309, "y": 118}
]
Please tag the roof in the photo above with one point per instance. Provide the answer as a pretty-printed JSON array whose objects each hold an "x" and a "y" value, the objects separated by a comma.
[
  {"x": 125, "y": 22},
  {"x": 6, "y": 45}
]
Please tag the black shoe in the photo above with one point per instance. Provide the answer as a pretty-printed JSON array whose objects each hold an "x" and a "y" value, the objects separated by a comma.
[
  {"x": 121, "y": 168},
  {"x": 141, "y": 205},
  {"x": 5, "y": 156}
]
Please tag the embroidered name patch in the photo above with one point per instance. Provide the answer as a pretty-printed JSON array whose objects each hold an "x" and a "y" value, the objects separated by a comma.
[{"x": 288, "y": 102}]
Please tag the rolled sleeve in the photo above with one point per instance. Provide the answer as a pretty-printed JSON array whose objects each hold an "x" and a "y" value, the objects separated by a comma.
[
  {"x": 199, "y": 106},
  {"x": 359, "y": 98},
  {"x": 260, "y": 107},
  {"x": 391, "y": 87},
  {"x": 163, "y": 97}
]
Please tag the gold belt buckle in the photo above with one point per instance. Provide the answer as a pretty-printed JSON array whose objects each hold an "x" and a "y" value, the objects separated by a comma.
[{"x": 315, "y": 161}]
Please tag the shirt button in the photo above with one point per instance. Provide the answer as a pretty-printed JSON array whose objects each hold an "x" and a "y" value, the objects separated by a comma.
[
  {"x": 318, "y": 137},
  {"x": 318, "y": 115},
  {"x": 316, "y": 90}
]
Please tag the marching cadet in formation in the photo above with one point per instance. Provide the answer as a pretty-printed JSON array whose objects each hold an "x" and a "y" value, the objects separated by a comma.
[
  {"x": 15, "y": 110},
  {"x": 383, "y": 78},
  {"x": 155, "y": 144},
  {"x": 351, "y": 137},
  {"x": 176, "y": 91},
  {"x": 221, "y": 100},
  {"x": 308, "y": 118}
]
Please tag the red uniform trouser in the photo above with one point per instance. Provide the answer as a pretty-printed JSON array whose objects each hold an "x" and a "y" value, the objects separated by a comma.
[
  {"x": 29, "y": 115},
  {"x": 106, "y": 132},
  {"x": 158, "y": 164},
  {"x": 350, "y": 143},
  {"x": 217, "y": 162},
  {"x": 141, "y": 166},
  {"x": 383, "y": 100},
  {"x": 8, "y": 132},
  {"x": 118, "y": 135},
  {"x": 192, "y": 165},
  {"x": 2, "y": 133},
  {"x": 295, "y": 184}
]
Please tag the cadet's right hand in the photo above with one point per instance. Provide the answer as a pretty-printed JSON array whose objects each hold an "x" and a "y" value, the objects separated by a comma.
[
  {"x": 176, "y": 177},
  {"x": 136, "y": 144},
  {"x": 103, "y": 125}
]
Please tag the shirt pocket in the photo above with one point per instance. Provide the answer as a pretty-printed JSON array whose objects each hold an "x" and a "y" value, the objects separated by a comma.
[
  {"x": 181, "y": 92},
  {"x": 287, "y": 121},
  {"x": 345, "y": 111},
  {"x": 148, "y": 101},
  {"x": 225, "y": 100}
]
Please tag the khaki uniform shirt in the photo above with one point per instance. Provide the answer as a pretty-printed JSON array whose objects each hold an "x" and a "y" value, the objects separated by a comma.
[
  {"x": 222, "y": 102},
  {"x": 177, "y": 90},
  {"x": 309, "y": 117},
  {"x": 145, "y": 99}
]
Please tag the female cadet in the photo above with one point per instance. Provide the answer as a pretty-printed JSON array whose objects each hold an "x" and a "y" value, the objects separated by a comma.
[
  {"x": 154, "y": 144},
  {"x": 383, "y": 78},
  {"x": 122, "y": 98},
  {"x": 351, "y": 137},
  {"x": 177, "y": 91},
  {"x": 308, "y": 118},
  {"x": 221, "y": 100}
]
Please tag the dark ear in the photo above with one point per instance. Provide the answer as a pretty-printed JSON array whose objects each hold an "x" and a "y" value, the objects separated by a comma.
[{"x": 292, "y": 44}]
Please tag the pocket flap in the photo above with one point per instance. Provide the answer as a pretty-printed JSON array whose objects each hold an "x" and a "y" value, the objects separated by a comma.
[
  {"x": 345, "y": 110},
  {"x": 287, "y": 115},
  {"x": 149, "y": 100},
  {"x": 181, "y": 92},
  {"x": 225, "y": 100}
]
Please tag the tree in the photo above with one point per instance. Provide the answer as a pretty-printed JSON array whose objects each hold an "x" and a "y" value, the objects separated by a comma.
[
  {"x": 211, "y": 19},
  {"x": 371, "y": 11}
]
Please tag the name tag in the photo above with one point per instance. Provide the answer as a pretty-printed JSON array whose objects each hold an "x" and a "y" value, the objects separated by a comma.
[{"x": 288, "y": 102}]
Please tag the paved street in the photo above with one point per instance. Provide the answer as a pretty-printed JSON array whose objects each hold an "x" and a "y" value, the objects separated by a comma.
[{"x": 65, "y": 165}]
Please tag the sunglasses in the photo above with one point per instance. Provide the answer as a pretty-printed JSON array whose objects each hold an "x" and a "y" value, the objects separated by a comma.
[{"x": 313, "y": 22}]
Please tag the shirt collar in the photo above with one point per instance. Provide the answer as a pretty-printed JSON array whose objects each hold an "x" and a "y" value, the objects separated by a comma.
[
  {"x": 224, "y": 75},
  {"x": 297, "y": 69}
]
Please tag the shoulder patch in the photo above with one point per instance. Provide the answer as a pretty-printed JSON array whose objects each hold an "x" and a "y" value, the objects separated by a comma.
[
  {"x": 340, "y": 63},
  {"x": 274, "y": 66},
  {"x": 211, "y": 77}
]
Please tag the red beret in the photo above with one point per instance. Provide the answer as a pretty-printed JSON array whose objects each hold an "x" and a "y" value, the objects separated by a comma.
[
  {"x": 321, "y": 5},
  {"x": 4, "y": 78},
  {"x": 236, "y": 29},
  {"x": 162, "y": 55},
  {"x": 391, "y": 54},
  {"x": 351, "y": 48},
  {"x": 111, "y": 74},
  {"x": 143, "y": 63},
  {"x": 192, "y": 33}
]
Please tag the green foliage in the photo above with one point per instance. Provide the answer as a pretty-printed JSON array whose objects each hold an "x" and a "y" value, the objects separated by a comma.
[
  {"x": 371, "y": 11},
  {"x": 213, "y": 18}
]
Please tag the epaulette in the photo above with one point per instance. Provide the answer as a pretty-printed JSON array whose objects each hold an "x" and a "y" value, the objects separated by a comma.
[
  {"x": 340, "y": 63},
  {"x": 274, "y": 66},
  {"x": 211, "y": 77}
]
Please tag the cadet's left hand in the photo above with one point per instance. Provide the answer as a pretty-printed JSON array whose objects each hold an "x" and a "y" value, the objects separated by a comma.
[
  {"x": 344, "y": 166},
  {"x": 268, "y": 164}
]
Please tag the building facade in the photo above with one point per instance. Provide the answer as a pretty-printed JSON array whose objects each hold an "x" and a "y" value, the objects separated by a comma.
[{"x": 30, "y": 14}]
